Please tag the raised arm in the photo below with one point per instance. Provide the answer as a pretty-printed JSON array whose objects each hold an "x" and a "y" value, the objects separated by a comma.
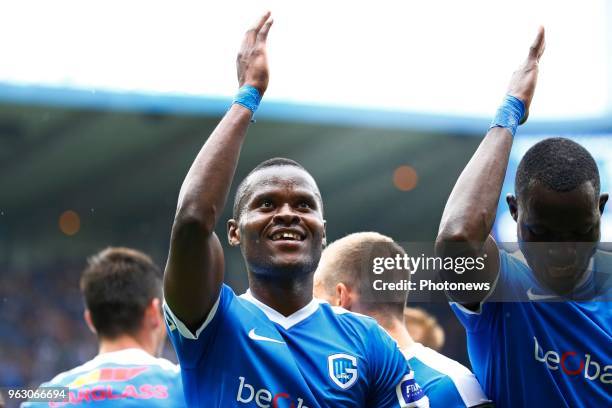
[
  {"x": 194, "y": 271},
  {"x": 469, "y": 213}
]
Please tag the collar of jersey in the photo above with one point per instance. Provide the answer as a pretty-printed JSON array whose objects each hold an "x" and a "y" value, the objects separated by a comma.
[
  {"x": 411, "y": 351},
  {"x": 285, "y": 321},
  {"x": 538, "y": 293}
]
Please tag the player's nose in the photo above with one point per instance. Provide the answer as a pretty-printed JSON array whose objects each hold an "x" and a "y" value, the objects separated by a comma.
[{"x": 286, "y": 215}]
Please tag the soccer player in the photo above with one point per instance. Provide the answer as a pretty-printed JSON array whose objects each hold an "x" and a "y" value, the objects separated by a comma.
[
  {"x": 274, "y": 346},
  {"x": 551, "y": 346},
  {"x": 344, "y": 278},
  {"x": 122, "y": 289}
]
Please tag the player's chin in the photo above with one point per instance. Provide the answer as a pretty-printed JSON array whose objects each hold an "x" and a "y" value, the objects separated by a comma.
[
  {"x": 290, "y": 264},
  {"x": 290, "y": 260},
  {"x": 561, "y": 282}
]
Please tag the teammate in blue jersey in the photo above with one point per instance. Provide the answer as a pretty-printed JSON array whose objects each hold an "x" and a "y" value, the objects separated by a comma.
[
  {"x": 274, "y": 346},
  {"x": 541, "y": 336},
  {"x": 122, "y": 289},
  {"x": 344, "y": 278}
]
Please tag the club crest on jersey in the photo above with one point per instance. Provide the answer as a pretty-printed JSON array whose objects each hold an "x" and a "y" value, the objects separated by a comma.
[{"x": 342, "y": 370}]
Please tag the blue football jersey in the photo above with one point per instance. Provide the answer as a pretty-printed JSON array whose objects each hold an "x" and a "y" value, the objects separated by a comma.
[
  {"x": 246, "y": 354},
  {"x": 542, "y": 352},
  {"x": 125, "y": 378},
  {"x": 446, "y": 383}
]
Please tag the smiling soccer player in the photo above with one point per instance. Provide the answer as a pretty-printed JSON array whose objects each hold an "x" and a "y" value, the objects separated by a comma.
[
  {"x": 546, "y": 340},
  {"x": 274, "y": 346}
]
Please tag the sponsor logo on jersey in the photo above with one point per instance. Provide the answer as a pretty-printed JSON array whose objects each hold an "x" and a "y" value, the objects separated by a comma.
[
  {"x": 257, "y": 337},
  {"x": 100, "y": 385},
  {"x": 573, "y": 364},
  {"x": 410, "y": 394},
  {"x": 264, "y": 398},
  {"x": 342, "y": 370},
  {"x": 110, "y": 374},
  {"x": 100, "y": 392}
]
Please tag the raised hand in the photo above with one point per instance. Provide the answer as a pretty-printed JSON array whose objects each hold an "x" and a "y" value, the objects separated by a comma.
[
  {"x": 524, "y": 79},
  {"x": 252, "y": 61}
]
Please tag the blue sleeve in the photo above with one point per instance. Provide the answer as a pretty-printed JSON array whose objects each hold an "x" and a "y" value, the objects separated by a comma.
[
  {"x": 475, "y": 321},
  {"x": 189, "y": 346},
  {"x": 392, "y": 379}
]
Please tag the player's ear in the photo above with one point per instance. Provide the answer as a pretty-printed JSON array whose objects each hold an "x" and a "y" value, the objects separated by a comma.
[
  {"x": 87, "y": 317},
  {"x": 154, "y": 322},
  {"x": 233, "y": 232},
  {"x": 343, "y": 296},
  {"x": 153, "y": 313},
  {"x": 512, "y": 206},
  {"x": 603, "y": 199}
]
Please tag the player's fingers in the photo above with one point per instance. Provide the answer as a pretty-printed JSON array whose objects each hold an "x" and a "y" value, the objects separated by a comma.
[
  {"x": 261, "y": 21},
  {"x": 263, "y": 33},
  {"x": 537, "y": 48},
  {"x": 251, "y": 33}
]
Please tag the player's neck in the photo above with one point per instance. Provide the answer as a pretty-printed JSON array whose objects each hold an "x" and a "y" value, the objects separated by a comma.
[
  {"x": 286, "y": 297},
  {"x": 397, "y": 329},
  {"x": 124, "y": 342}
]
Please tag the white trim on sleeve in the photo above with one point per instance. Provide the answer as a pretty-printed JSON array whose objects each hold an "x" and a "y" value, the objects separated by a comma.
[
  {"x": 183, "y": 330},
  {"x": 466, "y": 384}
]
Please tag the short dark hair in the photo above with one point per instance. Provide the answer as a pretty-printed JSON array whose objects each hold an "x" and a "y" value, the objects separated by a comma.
[
  {"x": 242, "y": 187},
  {"x": 117, "y": 285},
  {"x": 559, "y": 163}
]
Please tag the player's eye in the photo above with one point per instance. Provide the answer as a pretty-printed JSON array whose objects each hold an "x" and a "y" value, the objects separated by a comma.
[
  {"x": 266, "y": 203},
  {"x": 304, "y": 205}
]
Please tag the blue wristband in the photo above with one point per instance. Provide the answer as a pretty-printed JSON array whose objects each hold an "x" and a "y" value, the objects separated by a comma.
[
  {"x": 509, "y": 114},
  {"x": 249, "y": 97}
]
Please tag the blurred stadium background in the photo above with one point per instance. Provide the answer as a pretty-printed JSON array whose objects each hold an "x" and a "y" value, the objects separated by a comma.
[{"x": 97, "y": 131}]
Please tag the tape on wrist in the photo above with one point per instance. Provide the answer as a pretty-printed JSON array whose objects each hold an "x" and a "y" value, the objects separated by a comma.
[
  {"x": 509, "y": 114},
  {"x": 249, "y": 97}
]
